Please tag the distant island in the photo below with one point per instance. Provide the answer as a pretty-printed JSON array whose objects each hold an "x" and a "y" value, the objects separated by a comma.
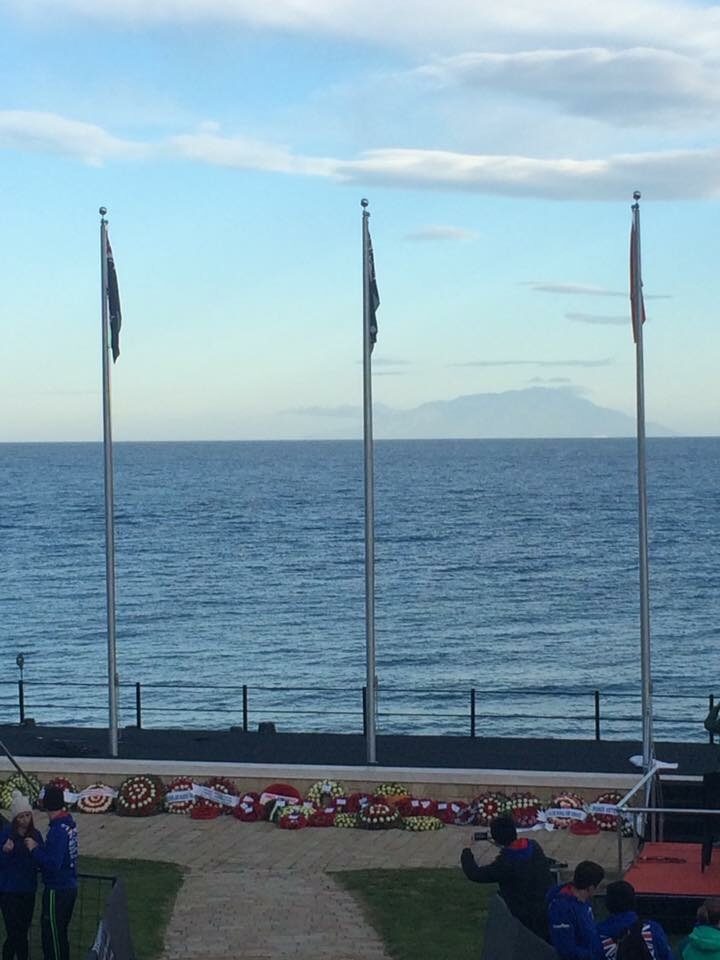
[{"x": 534, "y": 412}]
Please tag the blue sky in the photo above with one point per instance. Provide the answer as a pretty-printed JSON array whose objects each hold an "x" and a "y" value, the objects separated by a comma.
[{"x": 232, "y": 141}]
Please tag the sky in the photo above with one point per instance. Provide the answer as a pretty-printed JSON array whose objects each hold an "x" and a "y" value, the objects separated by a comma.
[{"x": 499, "y": 146}]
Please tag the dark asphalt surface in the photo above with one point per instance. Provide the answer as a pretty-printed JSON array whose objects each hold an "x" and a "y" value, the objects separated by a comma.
[{"x": 607, "y": 756}]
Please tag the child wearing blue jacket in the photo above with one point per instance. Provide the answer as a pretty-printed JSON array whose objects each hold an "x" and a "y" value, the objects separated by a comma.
[
  {"x": 57, "y": 860},
  {"x": 570, "y": 916},
  {"x": 623, "y": 922},
  {"x": 18, "y": 878}
]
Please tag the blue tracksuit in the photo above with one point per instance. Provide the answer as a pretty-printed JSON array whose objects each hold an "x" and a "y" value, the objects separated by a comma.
[
  {"x": 611, "y": 929},
  {"x": 58, "y": 859},
  {"x": 572, "y": 926},
  {"x": 18, "y": 871}
]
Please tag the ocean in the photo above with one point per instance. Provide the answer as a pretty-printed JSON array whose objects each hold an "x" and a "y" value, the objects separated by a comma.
[{"x": 509, "y": 567}]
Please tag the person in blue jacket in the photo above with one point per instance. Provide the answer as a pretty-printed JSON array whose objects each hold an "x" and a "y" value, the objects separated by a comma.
[
  {"x": 18, "y": 878},
  {"x": 570, "y": 916},
  {"x": 58, "y": 861},
  {"x": 623, "y": 922}
]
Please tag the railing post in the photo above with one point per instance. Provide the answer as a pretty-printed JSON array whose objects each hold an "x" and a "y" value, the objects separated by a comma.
[
  {"x": 21, "y": 700},
  {"x": 245, "y": 707},
  {"x": 364, "y": 708},
  {"x": 472, "y": 711},
  {"x": 711, "y": 704},
  {"x": 597, "y": 714},
  {"x": 138, "y": 706}
]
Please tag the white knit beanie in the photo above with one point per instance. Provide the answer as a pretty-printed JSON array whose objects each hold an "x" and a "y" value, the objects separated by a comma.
[{"x": 19, "y": 804}]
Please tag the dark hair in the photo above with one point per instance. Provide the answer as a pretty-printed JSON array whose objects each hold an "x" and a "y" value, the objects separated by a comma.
[
  {"x": 502, "y": 830},
  {"x": 712, "y": 911},
  {"x": 620, "y": 897},
  {"x": 587, "y": 874}
]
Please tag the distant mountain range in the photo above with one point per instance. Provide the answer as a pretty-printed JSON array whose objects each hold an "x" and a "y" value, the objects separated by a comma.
[{"x": 532, "y": 412}]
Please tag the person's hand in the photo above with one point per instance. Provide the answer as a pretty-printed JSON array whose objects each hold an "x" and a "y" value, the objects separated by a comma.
[
  {"x": 8, "y": 846},
  {"x": 30, "y": 844}
]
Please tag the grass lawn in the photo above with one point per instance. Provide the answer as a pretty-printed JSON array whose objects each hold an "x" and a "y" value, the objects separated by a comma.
[
  {"x": 151, "y": 888},
  {"x": 423, "y": 914}
]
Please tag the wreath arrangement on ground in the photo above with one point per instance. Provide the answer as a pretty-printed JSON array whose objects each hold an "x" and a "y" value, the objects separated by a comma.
[
  {"x": 391, "y": 792},
  {"x": 607, "y": 821},
  {"x": 346, "y": 821},
  {"x": 97, "y": 798},
  {"x": 357, "y": 802},
  {"x": 379, "y": 816},
  {"x": 421, "y": 824},
  {"x": 417, "y": 807},
  {"x": 524, "y": 808},
  {"x": 294, "y": 816},
  {"x": 487, "y": 806},
  {"x": 29, "y": 787},
  {"x": 565, "y": 801},
  {"x": 451, "y": 811},
  {"x": 179, "y": 797},
  {"x": 249, "y": 810},
  {"x": 140, "y": 796},
  {"x": 324, "y": 792},
  {"x": 219, "y": 785},
  {"x": 324, "y": 817}
]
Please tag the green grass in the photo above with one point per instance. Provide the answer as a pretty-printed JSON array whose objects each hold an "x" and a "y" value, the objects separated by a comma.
[
  {"x": 151, "y": 888},
  {"x": 423, "y": 914}
]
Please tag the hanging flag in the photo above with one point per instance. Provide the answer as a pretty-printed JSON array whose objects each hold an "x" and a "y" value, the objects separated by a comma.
[
  {"x": 373, "y": 293},
  {"x": 113, "y": 295},
  {"x": 637, "y": 305}
]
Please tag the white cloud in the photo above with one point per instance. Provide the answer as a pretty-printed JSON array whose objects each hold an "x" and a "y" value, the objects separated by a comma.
[
  {"x": 440, "y": 233},
  {"x": 49, "y": 133},
  {"x": 246, "y": 154},
  {"x": 428, "y": 23},
  {"x": 663, "y": 175},
  {"x": 626, "y": 86}
]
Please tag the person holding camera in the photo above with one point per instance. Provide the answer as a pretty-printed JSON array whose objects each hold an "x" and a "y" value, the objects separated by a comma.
[{"x": 521, "y": 870}]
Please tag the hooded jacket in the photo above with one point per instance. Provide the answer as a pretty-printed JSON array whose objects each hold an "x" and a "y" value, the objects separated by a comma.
[
  {"x": 572, "y": 926},
  {"x": 523, "y": 874},
  {"x": 18, "y": 872},
  {"x": 703, "y": 944},
  {"x": 58, "y": 858},
  {"x": 613, "y": 927}
]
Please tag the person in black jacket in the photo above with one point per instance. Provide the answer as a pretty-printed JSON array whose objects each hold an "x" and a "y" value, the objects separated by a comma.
[{"x": 521, "y": 870}]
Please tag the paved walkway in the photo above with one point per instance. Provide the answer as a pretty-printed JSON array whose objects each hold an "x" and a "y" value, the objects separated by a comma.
[{"x": 261, "y": 893}]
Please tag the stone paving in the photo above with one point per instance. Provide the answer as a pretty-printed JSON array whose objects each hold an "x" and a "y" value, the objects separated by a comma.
[{"x": 256, "y": 892}]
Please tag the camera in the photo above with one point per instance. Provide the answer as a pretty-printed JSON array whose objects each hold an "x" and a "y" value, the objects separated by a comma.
[{"x": 481, "y": 835}]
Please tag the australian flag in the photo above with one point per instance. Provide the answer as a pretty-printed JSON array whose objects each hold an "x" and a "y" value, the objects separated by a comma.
[
  {"x": 113, "y": 295},
  {"x": 373, "y": 294}
]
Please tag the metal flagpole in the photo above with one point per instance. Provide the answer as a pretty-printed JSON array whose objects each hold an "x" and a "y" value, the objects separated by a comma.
[
  {"x": 638, "y": 311},
  {"x": 370, "y": 699},
  {"x": 109, "y": 499}
]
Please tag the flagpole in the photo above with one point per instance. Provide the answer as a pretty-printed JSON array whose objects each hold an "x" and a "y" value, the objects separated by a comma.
[
  {"x": 645, "y": 662},
  {"x": 109, "y": 498},
  {"x": 371, "y": 689}
]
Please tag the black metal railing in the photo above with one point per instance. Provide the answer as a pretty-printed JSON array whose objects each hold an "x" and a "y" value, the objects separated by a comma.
[
  {"x": 456, "y": 710},
  {"x": 93, "y": 892}
]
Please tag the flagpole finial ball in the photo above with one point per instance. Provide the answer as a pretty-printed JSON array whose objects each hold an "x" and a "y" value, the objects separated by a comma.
[
  {"x": 364, "y": 203},
  {"x": 102, "y": 211},
  {"x": 636, "y": 195}
]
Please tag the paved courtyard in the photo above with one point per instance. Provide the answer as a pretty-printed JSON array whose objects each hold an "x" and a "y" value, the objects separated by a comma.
[{"x": 255, "y": 891}]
